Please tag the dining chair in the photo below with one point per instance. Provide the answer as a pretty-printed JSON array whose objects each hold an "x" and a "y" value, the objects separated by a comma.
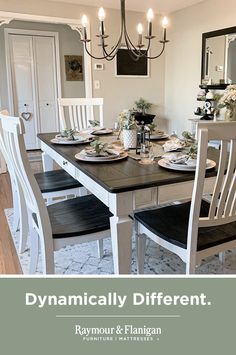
[
  {"x": 53, "y": 184},
  {"x": 197, "y": 229},
  {"x": 77, "y": 113},
  {"x": 20, "y": 219},
  {"x": 79, "y": 220}
]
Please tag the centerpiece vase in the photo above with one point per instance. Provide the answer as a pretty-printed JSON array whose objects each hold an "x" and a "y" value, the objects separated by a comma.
[
  {"x": 130, "y": 138},
  {"x": 230, "y": 114}
]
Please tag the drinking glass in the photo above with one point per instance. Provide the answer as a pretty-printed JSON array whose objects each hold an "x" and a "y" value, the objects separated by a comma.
[{"x": 144, "y": 154}]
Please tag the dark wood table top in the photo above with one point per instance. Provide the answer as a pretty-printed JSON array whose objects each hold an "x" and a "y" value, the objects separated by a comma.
[{"x": 126, "y": 175}]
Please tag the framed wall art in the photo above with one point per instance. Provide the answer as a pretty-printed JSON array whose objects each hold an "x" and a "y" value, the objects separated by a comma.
[
  {"x": 74, "y": 68},
  {"x": 125, "y": 66}
]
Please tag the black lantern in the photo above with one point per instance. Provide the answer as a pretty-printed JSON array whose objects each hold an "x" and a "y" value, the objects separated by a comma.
[{"x": 143, "y": 137}]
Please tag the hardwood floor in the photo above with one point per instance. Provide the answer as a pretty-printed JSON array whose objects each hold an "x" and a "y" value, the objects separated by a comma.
[{"x": 9, "y": 263}]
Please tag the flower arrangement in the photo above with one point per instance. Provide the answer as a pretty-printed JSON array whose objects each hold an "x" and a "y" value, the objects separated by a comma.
[
  {"x": 127, "y": 120},
  {"x": 228, "y": 100}
]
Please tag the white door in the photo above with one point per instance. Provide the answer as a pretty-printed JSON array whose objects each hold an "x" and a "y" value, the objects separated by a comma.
[
  {"x": 34, "y": 84},
  {"x": 46, "y": 83}
]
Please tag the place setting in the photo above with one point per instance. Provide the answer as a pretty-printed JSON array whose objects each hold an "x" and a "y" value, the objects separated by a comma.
[
  {"x": 72, "y": 137},
  {"x": 100, "y": 152},
  {"x": 96, "y": 130},
  {"x": 181, "y": 154}
]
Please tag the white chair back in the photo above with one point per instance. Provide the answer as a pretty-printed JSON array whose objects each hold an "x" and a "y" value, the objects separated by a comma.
[
  {"x": 223, "y": 203},
  {"x": 4, "y": 151},
  {"x": 76, "y": 113},
  {"x": 13, "y": 130}
]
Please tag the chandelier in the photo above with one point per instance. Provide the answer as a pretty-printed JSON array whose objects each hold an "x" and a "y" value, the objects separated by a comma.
[{"x": 140, "y": 50}]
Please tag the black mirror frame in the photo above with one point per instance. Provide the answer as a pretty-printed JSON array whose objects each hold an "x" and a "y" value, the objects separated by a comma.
[{"x": 205, "y": 36}]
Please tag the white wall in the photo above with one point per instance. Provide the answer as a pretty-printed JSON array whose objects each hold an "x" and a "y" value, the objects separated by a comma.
[
  {"x": 70, "y": 44},
  {"x": 183, "y": 58},
  {"x": 117, "y": 93}
]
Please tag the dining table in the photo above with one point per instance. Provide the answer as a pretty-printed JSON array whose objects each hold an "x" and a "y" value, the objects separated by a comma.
[{"x": 124, "y": 186}]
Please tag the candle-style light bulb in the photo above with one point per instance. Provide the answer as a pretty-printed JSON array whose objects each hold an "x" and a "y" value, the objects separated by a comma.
[
  {"x": 140, "y": 35},
  {"x": 101, "y": 14},
  {"x": 140, "y": 29},
  {"x": 84, "y": 21},
  {"x": 165, "y": 22},
  {"x": 150, "y": 15}
]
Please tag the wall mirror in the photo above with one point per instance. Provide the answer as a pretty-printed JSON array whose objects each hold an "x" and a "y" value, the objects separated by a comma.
[{"x": 219, "y": 58}]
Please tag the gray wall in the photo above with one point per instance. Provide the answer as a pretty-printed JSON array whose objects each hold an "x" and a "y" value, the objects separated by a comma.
[{"x": 69, "y": 43}]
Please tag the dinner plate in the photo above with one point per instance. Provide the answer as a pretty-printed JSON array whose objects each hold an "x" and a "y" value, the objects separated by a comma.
[
  {"x": 83, "y": 157},
  {"x": 102, "y": 132},
  {"x": 159, "y": 137},
  {"x": 72, "y": 142},
  {"x": 182, "y": 167}
]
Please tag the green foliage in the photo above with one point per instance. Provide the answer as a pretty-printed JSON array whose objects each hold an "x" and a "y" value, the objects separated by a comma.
[
  {"x": 142, "y": 106},
  {"x": 94, "y": 123},
  {"x": 191, "y": 144},
  {"x": 192, "y": 151},
  {"x": 127, "y": 120},
  {"x": 97, "y": 146},
  {"x": 68, "y": 133},
  {"x": 188, "y": 137},
  {"x": 152, "y": 127}
]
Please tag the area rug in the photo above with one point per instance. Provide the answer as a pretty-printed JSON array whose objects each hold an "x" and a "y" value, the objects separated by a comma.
[{"x": 83, "y": 260}]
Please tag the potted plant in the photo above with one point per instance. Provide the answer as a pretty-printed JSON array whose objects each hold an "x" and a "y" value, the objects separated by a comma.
[
  {"x": 129, "y": 129},
  {"x": 140, "y": 112}
]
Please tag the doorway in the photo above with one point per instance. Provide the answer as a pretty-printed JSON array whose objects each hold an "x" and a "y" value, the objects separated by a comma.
[
  {"x": 34, "y": 83},
  {"x": 74, "y": 25}
]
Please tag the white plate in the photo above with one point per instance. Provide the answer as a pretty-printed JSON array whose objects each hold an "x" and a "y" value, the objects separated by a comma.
[
  {"x": 82, "y": 157},
  {"x": 73, "y": 142},
  {"x": 181, "y": 167},
  {"x": 159, "y": 137},
  {"x": 102, "y": 132}
]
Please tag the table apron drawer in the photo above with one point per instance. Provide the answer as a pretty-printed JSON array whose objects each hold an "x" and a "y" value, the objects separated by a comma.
[{"x": 63, "y": 163}]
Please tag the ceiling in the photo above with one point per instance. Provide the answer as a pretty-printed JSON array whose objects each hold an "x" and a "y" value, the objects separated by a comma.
[{"x": 161, "y": 6}]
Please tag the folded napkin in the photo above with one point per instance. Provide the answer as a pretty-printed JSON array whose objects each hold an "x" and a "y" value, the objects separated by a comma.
[
  {"x": 173, "y": 144},
  {"x": 157, "y": 133},
  {"x": 180, "y": 159},
  {"x": 76, "y": 137}
]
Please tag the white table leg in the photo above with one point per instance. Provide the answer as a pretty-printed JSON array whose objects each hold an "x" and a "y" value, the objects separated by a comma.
[
  {"x": 121, "y": 205},
  {"x": 47, "y": 162}
]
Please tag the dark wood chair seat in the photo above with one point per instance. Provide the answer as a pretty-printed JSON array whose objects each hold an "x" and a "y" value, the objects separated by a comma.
[
  {"x": 56, "y": 180},
  {"x": 171, "y": 224},
  {"x": 78, "y": 216}
]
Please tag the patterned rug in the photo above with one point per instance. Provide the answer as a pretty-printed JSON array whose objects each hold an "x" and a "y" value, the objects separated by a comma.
[{"x": 82, "y": 259}]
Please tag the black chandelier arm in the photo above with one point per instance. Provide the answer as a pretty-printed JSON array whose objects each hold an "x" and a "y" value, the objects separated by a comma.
[
  {"x": 157, "y": 56},
  {"x": 113, "y": 53},
  {"x": 108, "y": 56},
  {"x": 90, "y": 54},
  {"x": 135, "y": 52}
]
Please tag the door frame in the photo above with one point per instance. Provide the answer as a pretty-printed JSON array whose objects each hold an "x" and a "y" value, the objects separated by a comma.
[
  {"x": 55, "y": 35},
  {"x": 75, "y": 25}
]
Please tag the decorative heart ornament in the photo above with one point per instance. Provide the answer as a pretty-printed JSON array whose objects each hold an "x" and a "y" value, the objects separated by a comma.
[{"x": 26, "y": 115}]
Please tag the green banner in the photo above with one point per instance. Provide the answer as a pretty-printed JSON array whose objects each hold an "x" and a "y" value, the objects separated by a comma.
[{"x": 109, "y": 316}]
